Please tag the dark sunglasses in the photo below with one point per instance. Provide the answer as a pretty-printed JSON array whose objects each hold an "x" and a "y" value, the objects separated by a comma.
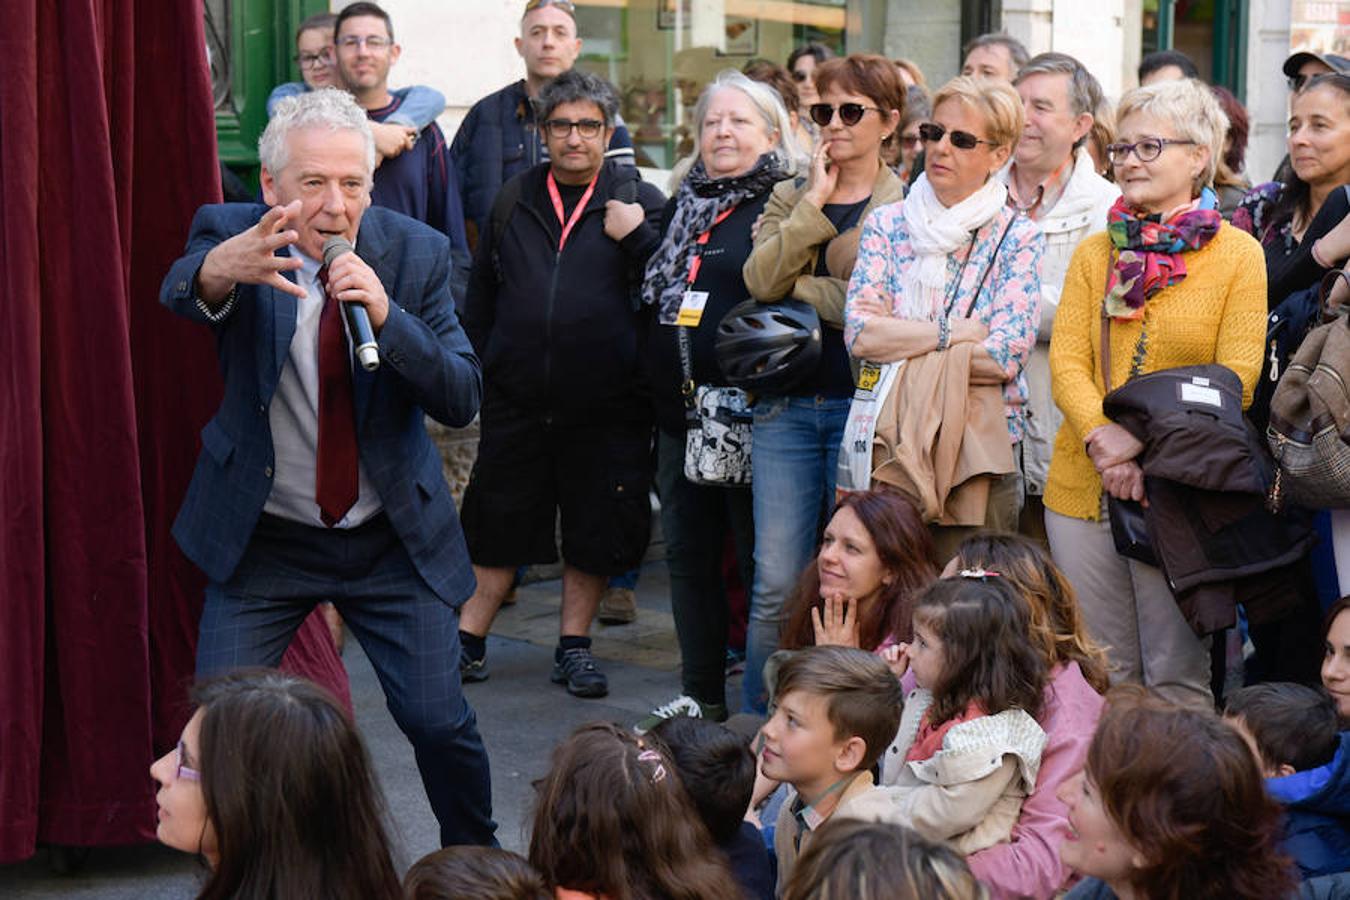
[
  {"x": 798, "y": 75},
  {"x": 849, "y": 113},
  {"x": 931, "y": 133}
]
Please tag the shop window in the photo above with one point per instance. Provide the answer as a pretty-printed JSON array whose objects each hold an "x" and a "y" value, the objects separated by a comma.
[{"x": 661, "y": 53}]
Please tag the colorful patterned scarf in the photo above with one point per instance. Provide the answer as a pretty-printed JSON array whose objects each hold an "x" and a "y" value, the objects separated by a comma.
[{"x": 1149, "y": 253}]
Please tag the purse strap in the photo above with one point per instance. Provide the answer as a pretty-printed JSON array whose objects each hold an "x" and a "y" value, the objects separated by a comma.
[
  {"x": 687, "y": 388},
  {"x": 1105, "y": 354}
]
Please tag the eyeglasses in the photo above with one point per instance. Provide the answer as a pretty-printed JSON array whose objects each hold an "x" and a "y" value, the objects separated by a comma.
[
  {"x": 1147, "y": 150},
  {"x": 559, "y": 129},
  {"x": 314, "y": 60},
  {"x": 931, "y": 133},
  {"x": 185, "y": 772},
  {"x": 910, "y": 140},
  {"x": 849, "y": 113},
  {"x": 374, "y": 42},
  {"x": 566, "y": 6},
  {"x": 799, "y": 75}
]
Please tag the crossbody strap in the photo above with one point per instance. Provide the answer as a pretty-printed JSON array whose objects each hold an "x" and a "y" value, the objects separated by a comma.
[{"x": 1105, "y": 355}]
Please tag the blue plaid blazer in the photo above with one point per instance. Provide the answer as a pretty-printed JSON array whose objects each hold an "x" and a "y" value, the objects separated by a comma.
[{"x": 427, "y": 366}]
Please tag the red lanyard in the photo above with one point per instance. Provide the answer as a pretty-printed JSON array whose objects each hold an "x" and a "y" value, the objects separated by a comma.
[
  {"x": 696, "y": 260},
  {"x": 569, "y": 224}
]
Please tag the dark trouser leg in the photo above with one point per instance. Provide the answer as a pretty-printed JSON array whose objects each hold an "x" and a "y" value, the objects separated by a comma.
[
  {"x": 412, "y": 640},
  {"x": 694, "y": 522}
]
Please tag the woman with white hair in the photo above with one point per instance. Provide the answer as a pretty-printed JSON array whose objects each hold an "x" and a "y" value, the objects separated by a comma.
[
  {"x": 1174, "y": 285},
  {"x": 745, "y": 147}
]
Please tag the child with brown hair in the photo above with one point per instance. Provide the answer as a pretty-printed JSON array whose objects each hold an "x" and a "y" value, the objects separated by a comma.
[
  {"x": 612, "y": 822},
  {"x": 837, "y": 709},
  {"x": 474, "y": 873},
  {"x": 969, "y": 746}
]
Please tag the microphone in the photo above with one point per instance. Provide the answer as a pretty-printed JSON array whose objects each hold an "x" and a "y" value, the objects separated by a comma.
[{"x": 358, "y": 320}]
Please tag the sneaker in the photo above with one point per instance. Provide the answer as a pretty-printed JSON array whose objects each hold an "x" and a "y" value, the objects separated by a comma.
[
  {"x": 576, "y": 668},
  {"x": 683, "y": 705},
  {"x": 618, "y": 606},
  {"x": 472, "y": 670}
]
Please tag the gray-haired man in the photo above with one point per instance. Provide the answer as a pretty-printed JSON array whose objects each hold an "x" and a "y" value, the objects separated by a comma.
[
  {"x": 1051, "y": 178},
  {"x": 317, "y": 480}
]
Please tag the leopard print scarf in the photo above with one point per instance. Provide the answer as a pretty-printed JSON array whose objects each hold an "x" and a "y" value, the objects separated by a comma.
[{"x": 698, "y": 202}]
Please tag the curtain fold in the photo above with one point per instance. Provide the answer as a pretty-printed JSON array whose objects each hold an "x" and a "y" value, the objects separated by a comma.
[{"x": 107, "y": 147}]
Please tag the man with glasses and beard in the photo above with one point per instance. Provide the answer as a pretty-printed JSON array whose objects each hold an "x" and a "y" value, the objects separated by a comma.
[{"x": 566, "y": 427}]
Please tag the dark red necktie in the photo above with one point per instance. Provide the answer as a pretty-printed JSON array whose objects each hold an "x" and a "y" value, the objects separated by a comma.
[{"x": 335, "y": 486}]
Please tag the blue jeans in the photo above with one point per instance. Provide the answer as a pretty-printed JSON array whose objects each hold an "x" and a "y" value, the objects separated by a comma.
[{"x": 795, "y": 451}]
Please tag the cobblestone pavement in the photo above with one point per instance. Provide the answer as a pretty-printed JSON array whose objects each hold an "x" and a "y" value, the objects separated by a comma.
[{"x": 521, "y": 715}]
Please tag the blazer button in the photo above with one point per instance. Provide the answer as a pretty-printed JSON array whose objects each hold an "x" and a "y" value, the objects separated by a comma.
[
  {"x": 262, "y": 409},
  {"x": 268, "y": 471}
]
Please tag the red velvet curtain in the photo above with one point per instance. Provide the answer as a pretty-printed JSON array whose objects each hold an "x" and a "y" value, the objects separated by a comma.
[{"x": 107, "y": 146}]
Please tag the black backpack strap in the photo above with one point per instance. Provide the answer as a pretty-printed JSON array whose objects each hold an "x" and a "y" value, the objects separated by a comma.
[{"x": 502, "y": 207}]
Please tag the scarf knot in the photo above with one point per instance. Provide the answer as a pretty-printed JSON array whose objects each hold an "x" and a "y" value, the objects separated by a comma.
[
  {"x": 699, "y": 200},
  {"x": 1150, "y": 251},
  {"x": 935, "y": 233}
]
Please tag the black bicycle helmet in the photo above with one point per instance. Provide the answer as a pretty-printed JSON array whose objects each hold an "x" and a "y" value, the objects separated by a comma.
[{"x": 768, "y": 348}]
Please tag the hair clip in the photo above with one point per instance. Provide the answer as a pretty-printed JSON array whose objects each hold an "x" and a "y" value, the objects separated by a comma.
[
  {"x": 651, "y": 756},
  {"x": 978, "y": 573}
]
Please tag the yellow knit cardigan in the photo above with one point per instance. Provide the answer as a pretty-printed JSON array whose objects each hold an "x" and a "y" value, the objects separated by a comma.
[{"x": 1216, "y": 314}]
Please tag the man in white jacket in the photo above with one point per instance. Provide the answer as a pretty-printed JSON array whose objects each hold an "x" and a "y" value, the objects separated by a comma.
[{"x": 1051, "y": 179}]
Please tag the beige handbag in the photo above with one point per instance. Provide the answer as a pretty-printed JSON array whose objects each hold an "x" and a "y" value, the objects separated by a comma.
[{"x": 1309, "y": 431}]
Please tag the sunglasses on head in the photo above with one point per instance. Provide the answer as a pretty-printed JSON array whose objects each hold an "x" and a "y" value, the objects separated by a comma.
[
  {"x": 849, "y": 113},
  {"x": 931, "y": 133}
]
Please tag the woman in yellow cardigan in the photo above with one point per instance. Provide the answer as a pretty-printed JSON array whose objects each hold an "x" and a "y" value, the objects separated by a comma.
[{"x": 1181, "y": 288}]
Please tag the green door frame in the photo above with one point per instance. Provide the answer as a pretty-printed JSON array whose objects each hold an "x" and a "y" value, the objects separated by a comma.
[
  {"x": 262, "y": 47},
  {"x": 1229, "y": 53}
]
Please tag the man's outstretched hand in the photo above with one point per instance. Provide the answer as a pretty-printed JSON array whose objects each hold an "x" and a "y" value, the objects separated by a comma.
[{"x": 249, "y": 257}]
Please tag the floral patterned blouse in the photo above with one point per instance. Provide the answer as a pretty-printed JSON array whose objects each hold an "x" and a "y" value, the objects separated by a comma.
[{"x": 1009, "y": 300}]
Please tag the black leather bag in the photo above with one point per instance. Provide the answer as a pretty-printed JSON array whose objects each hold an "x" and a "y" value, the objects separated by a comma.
[{"x": 1129, "y": 530}]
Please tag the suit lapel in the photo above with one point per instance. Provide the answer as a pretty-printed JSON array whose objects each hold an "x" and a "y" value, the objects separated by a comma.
[
  {"x": 281, "y": 324},
  {"x": 372, "y": 246}
]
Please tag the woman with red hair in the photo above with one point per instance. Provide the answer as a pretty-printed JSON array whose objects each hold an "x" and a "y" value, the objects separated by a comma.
[{"x": 1171, "y": 805}]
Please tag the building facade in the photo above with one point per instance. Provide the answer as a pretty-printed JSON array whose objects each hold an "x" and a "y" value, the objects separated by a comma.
[{"x": 659, "y": 53}]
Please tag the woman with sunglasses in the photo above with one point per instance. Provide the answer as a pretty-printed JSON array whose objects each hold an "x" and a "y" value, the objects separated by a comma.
[
  {"x": 745, "y": 148},
  {"x": 955, "y": 263},
  {"x": 804, "y": 249},
  {"x": 272, "y": 786},
  {"x": 1174, "y": 285}
]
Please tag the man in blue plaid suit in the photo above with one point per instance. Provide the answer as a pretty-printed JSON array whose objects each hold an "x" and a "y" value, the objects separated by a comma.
[{"x": 257, "y": 518}]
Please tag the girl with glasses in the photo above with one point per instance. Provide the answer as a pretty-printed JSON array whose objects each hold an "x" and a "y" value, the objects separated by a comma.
[
  {"x": 955, "y": 265},
  {"x": 1173, "y": 285},
  {"x": 272, "y": 785},
  {"x": 804, "y": 250}
]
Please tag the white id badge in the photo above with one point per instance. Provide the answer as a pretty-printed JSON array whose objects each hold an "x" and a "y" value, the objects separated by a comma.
[{"x": 691, "y": 308}]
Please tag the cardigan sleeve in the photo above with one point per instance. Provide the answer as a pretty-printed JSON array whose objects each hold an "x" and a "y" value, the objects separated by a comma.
[
  {"x": 1073, "y": 355},
  {"x": 1242, "y": 328}
]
